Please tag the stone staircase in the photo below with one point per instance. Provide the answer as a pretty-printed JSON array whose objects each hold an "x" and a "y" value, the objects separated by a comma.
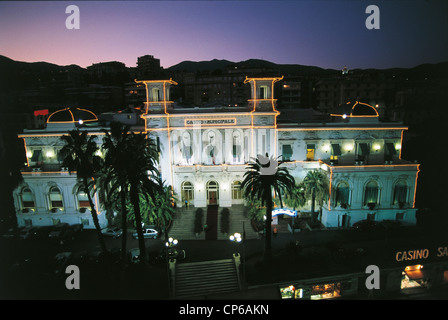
[
  {"x": 200, "y": 279},
  {"x": 236, "y": 224},
  {"x": 183, "y": 224}
]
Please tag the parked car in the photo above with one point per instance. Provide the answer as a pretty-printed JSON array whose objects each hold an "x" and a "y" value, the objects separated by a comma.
[
  {"x": 148, "y": 233},
  {"x": 40, "y": 232},
  {"x": 366, "y": 225},
  {"x": 25, "y": 233},
  {"x": 112, "y": 232},
  {"x": 57, "y": 231}
]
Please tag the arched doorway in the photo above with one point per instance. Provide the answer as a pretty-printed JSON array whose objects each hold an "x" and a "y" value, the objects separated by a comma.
[{"x": 212, "y": 192}]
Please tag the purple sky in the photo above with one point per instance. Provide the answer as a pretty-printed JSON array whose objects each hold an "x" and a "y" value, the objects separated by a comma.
[{"x": 328, "y": 34}]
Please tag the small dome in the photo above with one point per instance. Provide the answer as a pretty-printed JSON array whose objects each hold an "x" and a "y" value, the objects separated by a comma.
[
  {"x": 355, "y": 109},
  {"x": 72, "y": 115},
  {"x": 363, "y": 109}
]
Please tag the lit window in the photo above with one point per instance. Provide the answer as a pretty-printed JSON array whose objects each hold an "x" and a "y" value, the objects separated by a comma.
[
  {"x": 55, "y": 197},
  {"x": 187, "y": 191},
  {"x": 27, "y": 199},
  {"x": 400, "y": 193},
  {"x": 264, "y": 93},
  {"x": 236, "y": 190},
  {"x": 310, "y": 152},
  {"x": 83, "y": 199},
  {"x": 371, "y": 194},
  {"x": 342, "y": 194},
  {"x": 335, "y": 152}
]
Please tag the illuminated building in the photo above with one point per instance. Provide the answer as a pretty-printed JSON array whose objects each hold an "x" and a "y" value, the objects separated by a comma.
[
  {"x": 204, "y": 152},
  {"x": 49, "y": 194}
]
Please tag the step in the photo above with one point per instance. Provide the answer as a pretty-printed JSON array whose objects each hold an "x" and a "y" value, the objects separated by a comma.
[{"x": 206, "y": 277}]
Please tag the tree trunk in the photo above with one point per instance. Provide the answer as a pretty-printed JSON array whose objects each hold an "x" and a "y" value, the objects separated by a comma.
[
  {"x": 268, "y": 227},
  {"x": 95, "y": 218},
  {"x": 313, "y": 200},
  {"x": 138, "y": 222},
  {"x": 124, "y": 227}
]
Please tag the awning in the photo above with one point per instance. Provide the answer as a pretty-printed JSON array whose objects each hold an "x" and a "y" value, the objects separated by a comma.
[
  {"x": 415, "y": 274},
  {"x": 336, "y": 149},
  {"x": 390, "y": 149},
  {"x": 287, "y": 150},
  {"x": 364, "y": 149}
]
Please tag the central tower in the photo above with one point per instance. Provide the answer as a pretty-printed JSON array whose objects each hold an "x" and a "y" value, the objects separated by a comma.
[
  {"x": 158, "y": 95},
  {"x": 262, "y": 93}
]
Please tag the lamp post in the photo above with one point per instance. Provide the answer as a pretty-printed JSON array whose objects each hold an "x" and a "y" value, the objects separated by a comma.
[
  {"x": 237, "y": 238},
  {"x": 168, "y": 245}
]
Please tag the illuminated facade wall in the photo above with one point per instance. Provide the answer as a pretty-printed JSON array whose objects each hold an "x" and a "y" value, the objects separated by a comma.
[
  {"x": 204, "y": 153},
  {"x": 49, "y": 194}
]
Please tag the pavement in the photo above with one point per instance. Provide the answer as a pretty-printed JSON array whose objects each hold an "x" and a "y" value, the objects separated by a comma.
[{"x": 321, "y": 252}]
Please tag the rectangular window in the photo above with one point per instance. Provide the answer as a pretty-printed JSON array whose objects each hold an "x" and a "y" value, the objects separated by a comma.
[
  {"x": 37, "y": 155},
  {"x": 286, "y": 152},
  {"x": 335, "y": 152},
  {"x": 310, "y": 152},
  {"x": 362, "y": 151},
  {"x": 389, "y": 151},
  {"x": 263, "y": 92}
]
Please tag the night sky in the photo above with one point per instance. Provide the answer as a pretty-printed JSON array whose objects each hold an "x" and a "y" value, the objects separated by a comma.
[{"x": 328, "y": 34}]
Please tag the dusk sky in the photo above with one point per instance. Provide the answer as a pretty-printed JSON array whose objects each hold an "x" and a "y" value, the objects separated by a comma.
[{"x": 328, "y": 34}]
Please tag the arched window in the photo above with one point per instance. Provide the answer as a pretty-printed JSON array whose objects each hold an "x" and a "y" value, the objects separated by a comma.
[
  {"x": 236, "y": 150},
  {"x": 83, "y": 199},
  {"x": 187, "y": 191},
  {"x": 27, "y": 199},
  {"x": 236, "y": 190},
  {"x": 186, "y": 146},
  {"x": 342, "y": 194},
  {"x": 212, "y": 192},
  {"x": 371, "y": 193},
  {"x": 400, "y": 193},
  {"x": 55, "y": 197}
]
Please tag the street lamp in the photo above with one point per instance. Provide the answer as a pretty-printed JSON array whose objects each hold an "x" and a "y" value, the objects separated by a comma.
[
  {"x": 171, "y": 242},
  {"x": 169, "y": 245},
  {"x": 237, "y": 238}
]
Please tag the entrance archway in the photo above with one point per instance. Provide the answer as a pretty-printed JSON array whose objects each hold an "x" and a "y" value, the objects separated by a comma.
[{"x": 212, "y": 192}]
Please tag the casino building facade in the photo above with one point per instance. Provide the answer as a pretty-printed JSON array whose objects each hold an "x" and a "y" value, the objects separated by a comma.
[{"x": 204, "y": 152}]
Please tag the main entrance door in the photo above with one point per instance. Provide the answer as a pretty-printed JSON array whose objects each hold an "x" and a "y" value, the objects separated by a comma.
[{"x": 212, "y": 192}]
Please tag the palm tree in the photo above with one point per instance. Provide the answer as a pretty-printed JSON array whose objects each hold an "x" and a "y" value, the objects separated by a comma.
[
  {"x": 143, "y": 178},
  {"x": 164, "y": 209},
  {"x": 81, "y": 156},
  {"x": 131, "y": 168},
  {"x": 260, "y": 180},
  {"x": 113, "y": 178},
  {"x": 296, "y": 198},
  {"x": 317, "y": 188}
]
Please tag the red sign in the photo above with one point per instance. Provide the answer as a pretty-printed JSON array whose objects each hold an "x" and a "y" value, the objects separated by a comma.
[{"x": 43, "y": 112}]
